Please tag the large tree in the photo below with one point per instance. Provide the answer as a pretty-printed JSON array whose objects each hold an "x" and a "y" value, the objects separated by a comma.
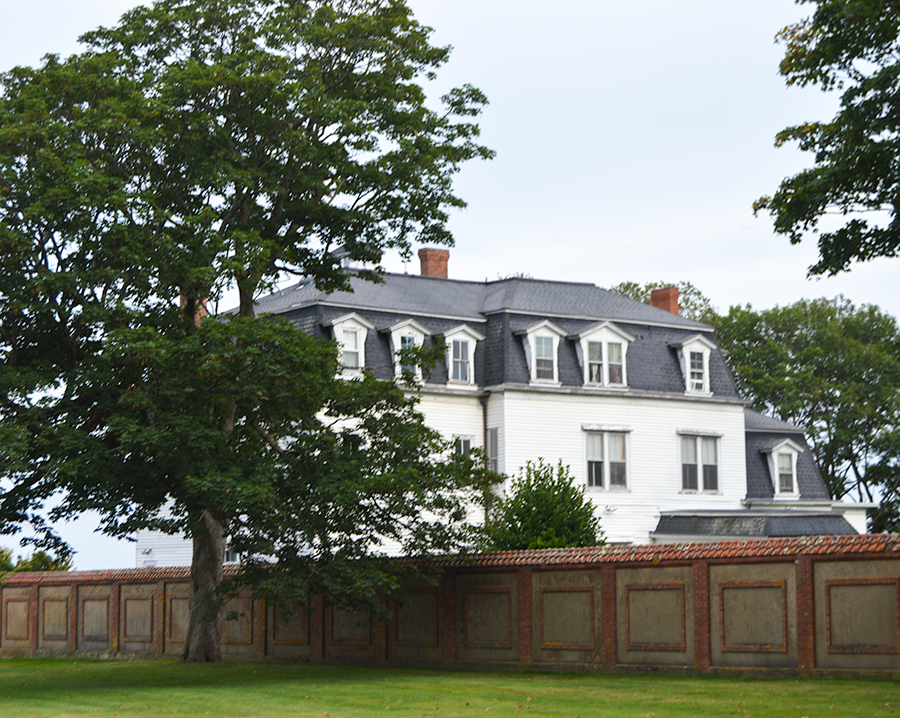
[
  {"x": 198, "y": 145},
  {"x": 833, "y": 369},
  {"x": 850, "y": 46}
]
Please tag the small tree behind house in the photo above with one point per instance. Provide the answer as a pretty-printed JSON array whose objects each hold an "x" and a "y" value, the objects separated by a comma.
[{"x": 544, "y": 509}]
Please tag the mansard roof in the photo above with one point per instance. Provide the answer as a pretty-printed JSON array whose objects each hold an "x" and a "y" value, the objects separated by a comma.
[{"x": 440, "y": 297}]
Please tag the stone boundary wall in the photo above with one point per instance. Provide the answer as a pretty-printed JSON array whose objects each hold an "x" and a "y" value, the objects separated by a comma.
[{"x": 805, "y": 605}]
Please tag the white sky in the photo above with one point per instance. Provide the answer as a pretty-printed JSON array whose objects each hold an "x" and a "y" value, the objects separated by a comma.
[{"x": 632, "y": 139}]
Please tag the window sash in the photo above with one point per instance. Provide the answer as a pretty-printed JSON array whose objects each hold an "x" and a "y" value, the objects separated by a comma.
[
  {"x": 350, "y": 348},
  {"x": 697, "y": 373},
  {"x": 785, "y": 473},
  {"x": 463, "y": 445},
  {"x": 493, "y": 449},
  {"x": 460, "y": 369},
  {"x": 616, "y": 365},
  {"x": 543, "y": 353},
  {"x": 595, "y": 362}
]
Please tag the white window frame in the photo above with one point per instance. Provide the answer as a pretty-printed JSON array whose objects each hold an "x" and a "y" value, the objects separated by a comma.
[
  {"x": 604, "y": 334},
  {"x": 463, "y": 445},
  {"x": 545, "y": 330},
  {"x": 698, "y": 344},
  {"x": 786, "y": 447},
  {"x": 409, "y": 329},
  {"x": 698, "y": 438},
  {"x": 462, "y": 333},
  {"x": 361, "y": 326},
  {"x": 605, "y": 432}
]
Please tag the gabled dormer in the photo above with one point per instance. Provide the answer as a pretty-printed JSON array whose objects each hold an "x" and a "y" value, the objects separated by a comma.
[
  {"x": 461, "y": 343},
  {"x": 781, "y": 457},
  {"x": 541, "y": 343},
  {"x": 693, "y": 358},
  {"x": 350, "y": 332},
  {"x": 408, "y": 334},
  {"x": 602, "y": 350}
]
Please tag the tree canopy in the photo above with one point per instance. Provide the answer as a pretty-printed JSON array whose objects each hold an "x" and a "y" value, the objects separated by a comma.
[
  {"x": 543, "y": 509},
  {"x": 849, "y": 46},
  {"x": 834, "y": 370},
  {"x": 195, "y": 146}
]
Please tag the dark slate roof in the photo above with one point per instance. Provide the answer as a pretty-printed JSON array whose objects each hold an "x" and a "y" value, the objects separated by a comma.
[
  {"x": 754, "y": 421},
  {"x": 499, "y": 310},
  {"x": 752, "y": 524},
  {"x": 437, "y": 296}
]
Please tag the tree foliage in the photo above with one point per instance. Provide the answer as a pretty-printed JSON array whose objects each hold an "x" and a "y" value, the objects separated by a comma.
[
  {"x": 833, "y": 369},
  {"x": 692, "y": 303},
  {"x": 195, "y": 146},
  {"x": 543, "y": 509},
  {"x": 38, "y": 561},
  {"x": 850, "y": 46}
]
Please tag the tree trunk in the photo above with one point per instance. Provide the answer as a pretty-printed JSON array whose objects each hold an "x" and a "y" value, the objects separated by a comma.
[{"x": 204, "y": 636}]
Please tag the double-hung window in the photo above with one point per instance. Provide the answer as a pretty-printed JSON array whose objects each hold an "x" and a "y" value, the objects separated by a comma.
[
  {"x": 460, "y": 364},
  {"x": 607, "y": 465},
  {"x": 406, "y": 336},
  {"x": 785, "y": 473},
  {"x": 544, "y": 358},
  {"x": 694, "y": 354},
  {"x": 350, "y": 348},
  {"x": 697, "y": 372},
  {"x": 699, "y": 463},
  {"x": 601, "y": 349}
]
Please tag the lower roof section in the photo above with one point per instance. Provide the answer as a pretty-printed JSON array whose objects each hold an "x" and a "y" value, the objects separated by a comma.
[{"x": 718, "y": 525}]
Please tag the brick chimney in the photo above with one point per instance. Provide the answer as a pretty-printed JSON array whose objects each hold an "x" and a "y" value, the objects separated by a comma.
[
  {"x": 665, "y": 298},
  {"x": 434, "y": 261}
]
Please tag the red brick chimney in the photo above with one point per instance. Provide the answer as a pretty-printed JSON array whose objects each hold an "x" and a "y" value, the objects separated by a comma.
[
  {"x": 434, "y": 261},
  {"x": 665, "y": 298}
]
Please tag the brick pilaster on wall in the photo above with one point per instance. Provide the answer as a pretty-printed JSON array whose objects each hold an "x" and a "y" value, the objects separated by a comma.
[
  {"x": 448, "y": 586},
  {"x": 806, "y": 617},
  {"x": 608, "y": 628},
  {"x": 114, "y": 618},
  {"x": 702, "y": 619},
  {"x": 73, "y": 617},
  {"x": 317, "y": 628},
  {"x": 526, "y": 617},
  {"x": 33, "y": 618}
]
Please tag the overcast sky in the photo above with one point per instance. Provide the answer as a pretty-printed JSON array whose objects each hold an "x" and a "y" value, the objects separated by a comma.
[{"x": 632, "y": 139}]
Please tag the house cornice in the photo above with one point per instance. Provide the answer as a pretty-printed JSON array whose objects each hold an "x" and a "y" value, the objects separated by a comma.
[{"x": 613, "y": 392}]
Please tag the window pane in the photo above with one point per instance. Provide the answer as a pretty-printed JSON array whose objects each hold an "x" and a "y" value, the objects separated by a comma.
[
  {"x": 708, "y": 450},
  {"x": 493, "y": 449},
  {"x": 616, "y": 447},
  {"x": 349, "y": 340},
  {"x": 785, "y": 473},
  {"x": 615, "y": 374},
  {"x": 688, "y": 450},
  {"x": 594, "y": 446},
  {"x": 615, "y": 353},
  {"x": 616, "y": 472},
  {"x": 689, "y": 477},
  {"x": 710, "y": 477},
  {"x": 463, "y": 446},
  {"x": 595, "y": 473},
  {"x": 595, "y": 362}
]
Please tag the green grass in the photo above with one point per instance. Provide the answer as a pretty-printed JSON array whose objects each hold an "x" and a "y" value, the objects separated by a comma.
[{"x": 61, "y": 688}]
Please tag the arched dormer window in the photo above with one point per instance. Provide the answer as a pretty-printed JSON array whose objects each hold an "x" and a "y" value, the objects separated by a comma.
[
  {"x": 693, "y": 356},
  {"x": 602, "y": 350},
  {"x": 461, "y": 343},
  {"x": 541, "y": 342},
  {"x": 350, "y": 332},
  {"x": 408, "y": 334},
  {"x": 781, "y": 456}
]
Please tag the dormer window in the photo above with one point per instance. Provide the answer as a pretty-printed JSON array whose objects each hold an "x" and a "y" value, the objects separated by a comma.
[
  {"x": 350, "y": 332},
  {"x": 461, "y": 343},
  {"x": 541, "y": 343},
  {"x": 601, "y": 349},
  {"x": 781, "y": 456},
  {"x": 693, "y": 355},
  {"x": 405, "y": 336}
]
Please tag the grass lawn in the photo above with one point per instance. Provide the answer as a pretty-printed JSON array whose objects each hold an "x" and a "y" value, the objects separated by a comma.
[{"x": 70, "y": 687}]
